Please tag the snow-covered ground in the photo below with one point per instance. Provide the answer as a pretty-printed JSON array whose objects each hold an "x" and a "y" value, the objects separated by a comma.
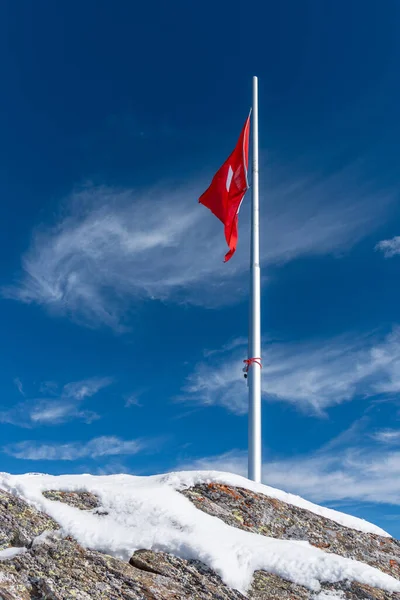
[
  {"x": 185, "y": 479},
  {"x": 10, "y": 553},
  {"x": 149, "y": 512}
]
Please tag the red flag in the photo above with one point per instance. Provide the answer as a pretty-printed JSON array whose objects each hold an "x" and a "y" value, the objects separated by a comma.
[{"x": 228, "y": 187}]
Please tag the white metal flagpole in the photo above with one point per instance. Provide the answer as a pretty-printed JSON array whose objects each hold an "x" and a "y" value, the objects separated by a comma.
[{"x": 254, "y": 370}]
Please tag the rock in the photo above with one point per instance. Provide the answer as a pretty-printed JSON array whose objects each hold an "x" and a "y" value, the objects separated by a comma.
[
  {"x": 19, "y": 523},
  {"x": 269, "y": 516},
  {"x": 58, "y": 568},
  {"x": 81, "y": 500}
]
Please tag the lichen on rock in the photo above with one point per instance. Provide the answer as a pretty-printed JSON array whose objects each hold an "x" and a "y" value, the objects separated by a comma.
[
  {"x": 82, "y": 500},
  {"x": 20, "y": 523},
  {"x": 55, "y": 567},
  {"x": 260, "y": 514}
]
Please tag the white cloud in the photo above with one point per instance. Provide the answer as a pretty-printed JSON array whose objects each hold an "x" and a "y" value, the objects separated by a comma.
[
  {"x": 354, "y": 474},
  {"x": 61, "y": 407},
  {"x": 52, "y": 412},
  {"x": 112, "y": 467},
  {"x": 232, "y": 345},
  {"x": 19, "y": 386},
  {"x": 313, "y": 376},
  {"x": 78, "y": 390},
  {"x": 389, "y": 247},
  {"x": 387, "y": 436},
  {"x": 112, "y": 246},
  {"x": 95, "y": 448},
  {"x": 132, "y": 400}
]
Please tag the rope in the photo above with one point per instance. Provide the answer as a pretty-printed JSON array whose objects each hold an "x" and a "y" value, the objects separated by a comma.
[{"x": 252, "y": 361}]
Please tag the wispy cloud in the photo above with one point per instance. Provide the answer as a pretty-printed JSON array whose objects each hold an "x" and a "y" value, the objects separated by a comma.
[
  {"x": 313, "y": 376},
  {"x": 132, "y": 400},
  {"x": 228, "y": 347},
  {"x": 95, "y": 448},
  {"x": 114, "y": 466},
  {"x": 78, "y": 390},
  {"x": 19, "y": 386},
  {"x": 110, "y": 246},
  {"x": 61, "y": 407},
  {"x": 53, "y": 412},
  {"x": 339, "y": 475},
  {"x": 389, "y": 247},
  {"x": 387, "y": 436}
]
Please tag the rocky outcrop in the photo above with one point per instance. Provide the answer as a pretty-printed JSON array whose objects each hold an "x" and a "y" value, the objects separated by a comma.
[
  {"x": 60, "y": 569},
  {"x": 81, "y": 500},
  {"x": 19, "y": 523},
  {"x": 268, "y": 516},
  {"x": 53, "y": 567}
]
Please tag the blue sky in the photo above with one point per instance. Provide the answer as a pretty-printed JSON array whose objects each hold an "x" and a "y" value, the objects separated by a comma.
[{"x": 123, "y": 333}]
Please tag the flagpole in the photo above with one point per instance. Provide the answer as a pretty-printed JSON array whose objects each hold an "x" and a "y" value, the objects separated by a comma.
[{"x": 254, "y": 372}]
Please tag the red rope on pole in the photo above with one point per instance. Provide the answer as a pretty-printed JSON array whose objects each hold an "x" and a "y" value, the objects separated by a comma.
[{"x": 251, "y": 361}]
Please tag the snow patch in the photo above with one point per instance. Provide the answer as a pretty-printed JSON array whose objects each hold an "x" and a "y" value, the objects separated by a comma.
[
  {"x": 185, "y": 479},
  {"x": 149, "y": 512},
  {"x": 330, "y": 595},
  {"x": 44, "y": 537},
  {"x": 9, "y": 553}
]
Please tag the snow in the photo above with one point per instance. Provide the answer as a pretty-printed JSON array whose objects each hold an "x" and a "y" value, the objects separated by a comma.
[
  {"x": 44, "y": 537},
  {"x": 186, "y": 479},
  {"x": 9, "y": 553},
  {"x": 149, "y": 512}
]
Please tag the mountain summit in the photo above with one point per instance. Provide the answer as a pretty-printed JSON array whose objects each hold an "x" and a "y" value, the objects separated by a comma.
[{"x": 195, "y": 535}]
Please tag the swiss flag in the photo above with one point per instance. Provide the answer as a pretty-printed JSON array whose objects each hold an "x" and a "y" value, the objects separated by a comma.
[{"x": 228, "y": 187}]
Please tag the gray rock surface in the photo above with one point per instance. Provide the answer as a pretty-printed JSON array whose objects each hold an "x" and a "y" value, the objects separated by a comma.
[
  {"x": 57, "y": 568},
  {"x": 268, "y": 516}
]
